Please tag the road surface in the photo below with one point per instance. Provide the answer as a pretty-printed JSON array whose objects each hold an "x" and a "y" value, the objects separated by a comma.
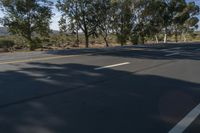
[{"x": 117, "y": 90}]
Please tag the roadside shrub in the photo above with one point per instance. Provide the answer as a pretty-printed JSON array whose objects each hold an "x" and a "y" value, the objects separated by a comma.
[
  {"x": 36, "y": 43},
  {"x": 6, "y": 45},
  {"x": 141, "y": 40},
  {"x": 134, "y": 39},
  {"x": 122, "y": 39}
]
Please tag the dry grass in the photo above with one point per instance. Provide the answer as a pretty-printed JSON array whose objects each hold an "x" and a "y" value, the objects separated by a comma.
[{"x": 59, "y": 42}]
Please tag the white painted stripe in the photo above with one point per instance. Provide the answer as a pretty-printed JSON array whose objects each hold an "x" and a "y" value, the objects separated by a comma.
[
  {"x": 165, "y": 50},
  {"x": 110, "y": 66},
  {"x": 38, "y": 59},
  {"x": 172, "y": 54},
  {"x": 186, "y": 121},
  {"x": 176, "y": 48}
]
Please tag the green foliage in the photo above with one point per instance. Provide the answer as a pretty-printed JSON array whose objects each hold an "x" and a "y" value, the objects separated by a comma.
[
  {"x": 122, "y": 16},
  {"x": 6, "y": 44},
  {"x": 81, "y": 14},
  {"x": 134, "y": 39},
  {"x": 27, "y": 17},
  {"x": 99, "y": 21}
]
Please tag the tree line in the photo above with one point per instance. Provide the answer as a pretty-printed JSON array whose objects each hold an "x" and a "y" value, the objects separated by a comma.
[{"x": 129, "y": 20}]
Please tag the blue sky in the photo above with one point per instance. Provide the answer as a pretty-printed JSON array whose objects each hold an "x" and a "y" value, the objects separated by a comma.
[{"x": 56, "y": 17}]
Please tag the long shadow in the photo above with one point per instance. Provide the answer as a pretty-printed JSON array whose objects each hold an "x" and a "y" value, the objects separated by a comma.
[
  {"x": 187, "y": 51},
  {"x": 154, "y": 52},
  {"x": 74, "y": 98}
]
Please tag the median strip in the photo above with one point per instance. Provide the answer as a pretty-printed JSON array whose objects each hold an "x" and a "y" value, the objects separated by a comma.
[
  {"x": 114, "y": 65},
  {"x": 186, "y": 121}
]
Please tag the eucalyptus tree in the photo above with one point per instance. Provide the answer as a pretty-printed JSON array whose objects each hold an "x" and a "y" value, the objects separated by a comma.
[
  {"x": 82, "y": 13},
  {"x": 67, "y": 25},
  {"x": 147, "y": 20},
  {"x": 103, "y": 10},
  {"x": 191, "y": 21},
  {"x": 27, "y": 17},
  {"x": 182, "y": 16},
  {"x": 154, "y": 15},
  {"x": 122, "y": 19},
  {"x": 178, "y": 15}
]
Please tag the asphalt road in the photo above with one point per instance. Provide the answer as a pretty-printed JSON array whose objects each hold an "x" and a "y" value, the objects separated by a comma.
[{"x": 140, "y": 89}]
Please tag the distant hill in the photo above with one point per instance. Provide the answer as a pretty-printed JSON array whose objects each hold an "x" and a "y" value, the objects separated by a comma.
[
  {"x": 3, "y": 31},
  {"x": 55, "y": 32}
]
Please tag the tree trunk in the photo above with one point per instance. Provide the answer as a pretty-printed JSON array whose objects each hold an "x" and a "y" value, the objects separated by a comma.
[
  {"x": 141, "y": 39},
  {"x": 86, "y": 40},
  {"x": 122, "y": 43},
  {"x": 165, "y": 38},
  {"x": 77, "y": 38},
  {"x": 31, "y": 43},
  {"x": 184, "y": 37},
  {"x": 176, "y": 36},
  {"x": 106, "y": 41},
  {"x": 156, "y": 39}
]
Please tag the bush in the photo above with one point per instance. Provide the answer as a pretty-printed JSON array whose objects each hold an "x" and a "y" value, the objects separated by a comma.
[
  {"x": 122, "y": 39},
  {"x": 7, "y": 45},
  {"x": 141, "y": 39},
  {"x": 134, "y": 39},
  {"x": 36, "y": 43}
]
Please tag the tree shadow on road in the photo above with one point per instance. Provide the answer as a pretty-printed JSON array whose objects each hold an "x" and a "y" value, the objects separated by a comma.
[
  {"x": 74, "y": 98},
  {"x": 132, "y": 52}
]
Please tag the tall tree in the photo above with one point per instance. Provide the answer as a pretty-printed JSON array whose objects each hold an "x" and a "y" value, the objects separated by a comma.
[
  {"x": 122, "y": 19},
  {"x": 26, "y": 17},
  {"x": 178, "y": 17},
  {"x": 153, "y": 14},
  {"x": 141, "y": 21},
  {"x": 67, "y": 25},
  {"x": 176, "y": 14},
  {"x": 82, "y": 13},
  {"x": 191, "y": 19},
  {"x": 103, "y": 10}
]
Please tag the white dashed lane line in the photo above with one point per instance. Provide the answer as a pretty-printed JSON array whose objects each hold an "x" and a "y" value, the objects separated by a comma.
[
  {"x": 176, "y": 48},
  {"x": 114, "y": 65},
  {"x": 176, "y": 53}
]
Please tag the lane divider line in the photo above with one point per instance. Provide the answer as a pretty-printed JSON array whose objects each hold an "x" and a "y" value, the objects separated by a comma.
[
  {"x": 51, "y": 58},
  {"x": 177, "y": 53},
  {"x": 114, "y": 65},
  {"x": 37, "y": 59},
  {"x": 186, "y": 121},
  {"x": 176, "y": 48}
]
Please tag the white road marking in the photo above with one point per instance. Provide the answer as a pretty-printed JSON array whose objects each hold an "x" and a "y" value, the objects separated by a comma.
[
  {"x": 176, "y": 48},
  {"x": 165, "y": 50},
  {"x": 186, "y": 121},
  {"x": 110, "y": 66},
  {"x": 38, "y": 59},
  {"x": 171, "y": 49},
  {"x": 172, "y": 54}
]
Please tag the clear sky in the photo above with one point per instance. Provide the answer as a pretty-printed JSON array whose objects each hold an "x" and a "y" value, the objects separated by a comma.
[{"x": 56, "y": 17}]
